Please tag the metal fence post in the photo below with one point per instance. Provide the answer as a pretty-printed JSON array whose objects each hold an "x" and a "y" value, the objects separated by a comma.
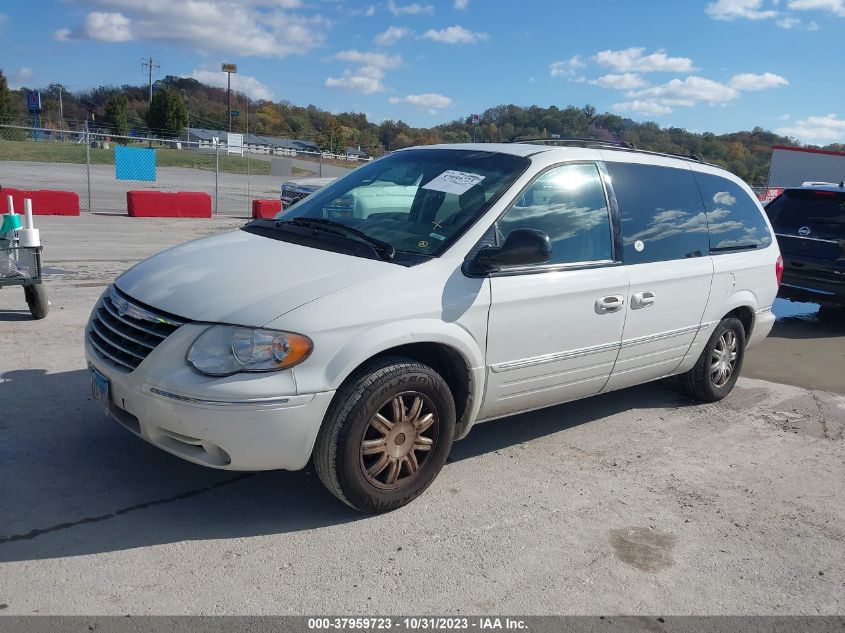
[
  {"x": 321, "y": 164},
  {"x": 216, "y": 172},
  {"x": 88, "y": 163}
]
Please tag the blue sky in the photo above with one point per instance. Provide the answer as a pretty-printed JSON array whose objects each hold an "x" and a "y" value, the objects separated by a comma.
[{"x": 705, "y": 65}]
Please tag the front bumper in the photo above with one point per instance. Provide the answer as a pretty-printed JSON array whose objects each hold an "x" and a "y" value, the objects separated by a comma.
[{"x": 235, "y": 423}]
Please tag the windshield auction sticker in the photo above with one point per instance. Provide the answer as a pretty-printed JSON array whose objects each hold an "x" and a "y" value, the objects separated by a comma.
[{"x": 456, "y": 182}]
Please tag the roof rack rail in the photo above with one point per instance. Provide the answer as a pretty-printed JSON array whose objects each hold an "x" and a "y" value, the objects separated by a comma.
[
  {"x": 617, "y": 145},
  {"x": 591, "y": 142}
]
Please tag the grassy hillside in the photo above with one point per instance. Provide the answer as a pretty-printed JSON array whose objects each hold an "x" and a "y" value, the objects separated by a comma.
[{"x": 746, "y": 153}]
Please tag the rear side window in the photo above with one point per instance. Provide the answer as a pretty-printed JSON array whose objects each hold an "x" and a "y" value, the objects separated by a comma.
[
  {"x": 568, "y": 204},
  {"x": 735, "y": 221},
  {"x": 824, "y": 210},
  {"x": 661, "y": 212}
]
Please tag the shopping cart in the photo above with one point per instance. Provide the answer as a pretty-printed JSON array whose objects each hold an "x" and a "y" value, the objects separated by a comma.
[{"x": 21, "y": 266}]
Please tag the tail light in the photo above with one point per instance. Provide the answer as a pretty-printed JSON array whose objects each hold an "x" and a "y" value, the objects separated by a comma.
[{"x": 779, "y": 269}]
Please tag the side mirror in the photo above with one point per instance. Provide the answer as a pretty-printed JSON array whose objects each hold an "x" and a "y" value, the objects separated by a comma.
[{"x": 522, "y": 247}]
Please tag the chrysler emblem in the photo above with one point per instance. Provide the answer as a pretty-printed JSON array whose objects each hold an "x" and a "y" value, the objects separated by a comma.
[
  {"x": 804, "y": 231},
  {"x": 122, "y": 308}
]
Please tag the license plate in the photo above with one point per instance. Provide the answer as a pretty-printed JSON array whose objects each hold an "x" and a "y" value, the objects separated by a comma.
[{"x": 100, "y": 388}]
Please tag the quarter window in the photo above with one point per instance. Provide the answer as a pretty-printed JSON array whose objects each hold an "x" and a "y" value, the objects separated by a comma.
[
  {"x": 661, "y": 212},
  {"x": 735, "y": 220},
  {"x": 568, "y": 204}
]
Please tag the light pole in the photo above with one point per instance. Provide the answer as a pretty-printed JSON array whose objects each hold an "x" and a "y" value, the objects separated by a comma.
[{"x": 229, "y": 69}]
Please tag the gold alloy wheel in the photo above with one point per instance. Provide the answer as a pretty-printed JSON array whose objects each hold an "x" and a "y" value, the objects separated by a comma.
[
  {"x": 399, "y": 440},
  {"x": 723, "y": 359}
]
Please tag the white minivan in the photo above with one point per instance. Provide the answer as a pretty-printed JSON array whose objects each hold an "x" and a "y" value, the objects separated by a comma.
[{"x": 370, "y": 329}]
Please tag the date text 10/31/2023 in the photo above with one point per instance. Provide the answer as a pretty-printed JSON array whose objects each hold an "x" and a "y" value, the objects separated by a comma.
[{"x": 416, "y": 624}]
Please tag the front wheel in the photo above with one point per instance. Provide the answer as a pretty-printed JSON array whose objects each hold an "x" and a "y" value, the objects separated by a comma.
[
  {"x": 386, "y": 435},
  {"x": 717, "y": 369},
  {"x": 36, "y": 299}
]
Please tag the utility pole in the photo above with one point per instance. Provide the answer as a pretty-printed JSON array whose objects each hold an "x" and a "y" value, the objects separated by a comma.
[
  {"x": 229, "y": 69},
  {"x": 149, "y": 64},
  {"x": 61, "y": 112}
]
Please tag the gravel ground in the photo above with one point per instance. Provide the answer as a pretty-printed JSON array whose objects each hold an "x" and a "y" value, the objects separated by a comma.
[{"x": 636, "y": 502}]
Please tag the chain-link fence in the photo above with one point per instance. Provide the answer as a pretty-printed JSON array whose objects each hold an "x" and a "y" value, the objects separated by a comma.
[{"x": 101, "y": 168}]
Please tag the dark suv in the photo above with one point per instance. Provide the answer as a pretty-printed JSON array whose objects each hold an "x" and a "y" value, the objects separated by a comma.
[{"x": 809, "y": 222}]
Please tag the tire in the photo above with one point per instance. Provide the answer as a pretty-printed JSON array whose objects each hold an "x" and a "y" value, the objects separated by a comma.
[
  {"x": 707, "y": 384},
  {"x": 36, "y": 299},
  {"x": 371, "y": 455}
]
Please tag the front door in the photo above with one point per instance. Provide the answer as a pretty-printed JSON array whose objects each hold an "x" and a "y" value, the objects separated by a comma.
[{"x": 555, "y": 329}]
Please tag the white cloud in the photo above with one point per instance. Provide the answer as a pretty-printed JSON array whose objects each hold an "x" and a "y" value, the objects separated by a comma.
[
  {"x": 784, "y": 117},
  {"x": 246, "y": 84},
  {"x": 749, "y": 82},
  {"x": 733, "y": 9},
  {"x": 625, "y": 81},
  {"x": 836, "y": 7},
  {"x": 461, "y": 5},
  {"x": 567, "y": 67},
  {"x": 649, "y": 108},
  {"x": 693, "y": 90},
  {"x": 381, "y": 60},
  {"x": 367, "y": 11},
  {"x": 409, "y": 9},
  {"x": 366, "y": 80},
  {"x": 431, "y": 101},
  {"x": 689, "y": 91},
  {"x": 392, "y": 35},
  {"x": 817, "y": 129},
  {"x": 107, "y": 27},
  {"x": 19, "y": 77},
  {"x": 788, "y": 22},
  {"x": 633, "y": 59},
  {"x": 265, "y": 28},
  {"x": 455, "y": 35}
]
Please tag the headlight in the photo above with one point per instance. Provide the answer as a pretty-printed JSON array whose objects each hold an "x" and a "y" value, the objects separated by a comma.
[{"x": 223, "y": 350}]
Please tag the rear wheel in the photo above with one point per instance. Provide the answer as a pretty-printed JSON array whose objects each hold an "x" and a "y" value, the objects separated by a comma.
[
  {"x": 36, "y": 299},
  {"x": 717, "y": 369},
  {"x": 386, "y": 435}
]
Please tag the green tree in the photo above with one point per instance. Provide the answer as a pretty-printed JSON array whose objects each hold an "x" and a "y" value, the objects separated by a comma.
[
  {"x": 116, "y": 114},
  {"x": 167, "y": 115},
  {"x": 6, "y": 113}
]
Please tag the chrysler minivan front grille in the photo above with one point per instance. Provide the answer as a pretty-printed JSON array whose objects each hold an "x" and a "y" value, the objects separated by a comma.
[{"x": 123, "y": 332}]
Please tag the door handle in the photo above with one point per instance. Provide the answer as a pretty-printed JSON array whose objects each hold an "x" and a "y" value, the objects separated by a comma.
[
  {"x": 642, "y": 299},
  {"x": 606, "y": 305}
]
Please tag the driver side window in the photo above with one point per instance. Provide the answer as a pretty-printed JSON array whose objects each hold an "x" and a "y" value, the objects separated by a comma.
[{"x": 568, "y": 204}]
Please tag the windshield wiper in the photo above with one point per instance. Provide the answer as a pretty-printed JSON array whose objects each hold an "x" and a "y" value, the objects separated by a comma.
[{"x": 326, "y": 225}]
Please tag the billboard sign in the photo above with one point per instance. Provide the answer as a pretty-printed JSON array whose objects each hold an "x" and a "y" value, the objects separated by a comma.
[
  {"x": 793, "y": 166},
  {"x": 235, "y": 143},
  {"x": 228, "y": 68},
  {"x": 33, "y": 101},
  {"x": 476, "y": 120}
]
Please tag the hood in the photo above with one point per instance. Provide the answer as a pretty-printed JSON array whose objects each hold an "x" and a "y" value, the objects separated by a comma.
[
  {"x": 242, "y": 278},
  {"x": 311, "y": 184}
]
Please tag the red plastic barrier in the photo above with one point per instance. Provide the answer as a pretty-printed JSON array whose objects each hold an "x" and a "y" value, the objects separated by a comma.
[
  {"x": 44, "y": 201},
  {"x": 160, "y": 204},
  {"x": 265, "y": 208}
]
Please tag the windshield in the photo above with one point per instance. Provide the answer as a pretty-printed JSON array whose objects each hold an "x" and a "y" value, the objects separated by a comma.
[
  {"x": 416, "y": 201},
  {"x": 819, "y": 209}
]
